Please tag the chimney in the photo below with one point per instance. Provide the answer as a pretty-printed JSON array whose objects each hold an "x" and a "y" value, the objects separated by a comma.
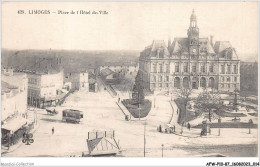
[{"x": 211, "y": 40}]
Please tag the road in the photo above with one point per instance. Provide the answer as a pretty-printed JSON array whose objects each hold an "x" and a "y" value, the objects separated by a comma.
[{"x": 102, "y": 113}]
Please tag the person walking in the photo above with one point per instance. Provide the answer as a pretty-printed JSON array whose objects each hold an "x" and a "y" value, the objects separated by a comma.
[
  {"x": 188, "y": 126},
  {"x": 177, "y": 111},
  {"x": 52, "y": 130}
]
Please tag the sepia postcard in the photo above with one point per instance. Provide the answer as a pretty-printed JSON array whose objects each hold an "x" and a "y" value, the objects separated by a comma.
[{"x": 129, "y": 79}]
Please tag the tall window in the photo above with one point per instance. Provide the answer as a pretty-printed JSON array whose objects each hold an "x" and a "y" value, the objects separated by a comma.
[
  {"x": 223, "y": 79},
  {"x": 167, "y": 68},
  {"x": 222, "y": 69},
  {"x": 228, "y": 79},
  {"x": 194, "y": 68},
  {"x": 202, "y": 68},
  {"x": 154, "y": 78},
  {"x": 211, "y": 68},
  {"x": 160, "y": 68},
  {"x": 160, "y": 78},
  {"x": 154, "y": 68},
  {"x": 235, "y": 69},
  {"x": 228, "y": 69},
  {"x": 235, "y": 79},
  {"x": 185, "y": 67},
  {"x": 167, "y": 78},
  {"x": 177, "y": 67}
]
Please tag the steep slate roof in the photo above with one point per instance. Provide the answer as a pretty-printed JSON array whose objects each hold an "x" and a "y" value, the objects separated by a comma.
[
  {"x": 221, "y": 47},
  {"x": 157, "y": 46},
  {"x": 205, "y": 43},
  {"x": 105, "y": 72},
  {"x": 179, "y": 44},
  {"x": 182, "y": 44}
]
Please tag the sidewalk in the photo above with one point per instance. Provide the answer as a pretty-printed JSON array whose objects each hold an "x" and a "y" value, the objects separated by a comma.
[{"x": 12, "y": 148}]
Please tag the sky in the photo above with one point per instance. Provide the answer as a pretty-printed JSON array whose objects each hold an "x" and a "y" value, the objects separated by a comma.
[{"x": 127, "y": 26}]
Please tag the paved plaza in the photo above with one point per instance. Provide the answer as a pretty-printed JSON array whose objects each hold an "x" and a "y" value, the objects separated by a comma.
[{"x": 102, "y": 113}]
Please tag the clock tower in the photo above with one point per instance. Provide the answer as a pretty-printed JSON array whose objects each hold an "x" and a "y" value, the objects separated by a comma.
[{"x": 193, "y": 35}]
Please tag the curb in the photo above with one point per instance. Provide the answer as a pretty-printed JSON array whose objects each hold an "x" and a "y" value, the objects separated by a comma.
[{"x": 19, "y": 144}]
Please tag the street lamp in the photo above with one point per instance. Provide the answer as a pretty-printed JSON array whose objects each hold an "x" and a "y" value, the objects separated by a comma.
[
  {"x": 162, "y": 150},
  {"x": 144, "y": 136},
  {"x": 139, "y": 109},
  {"x": 154, "y": 102},
  {"x": 219, "y": 122}
]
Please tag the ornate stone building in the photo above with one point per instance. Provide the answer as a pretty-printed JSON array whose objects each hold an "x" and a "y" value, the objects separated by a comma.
[{"x": 190, "y": 62}]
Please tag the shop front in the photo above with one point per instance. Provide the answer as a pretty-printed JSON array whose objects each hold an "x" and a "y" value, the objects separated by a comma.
[{"x": 13, "y": 130}]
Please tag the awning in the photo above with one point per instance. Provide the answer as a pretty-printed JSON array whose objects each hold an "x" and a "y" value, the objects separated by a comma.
[
  {"x": 55, "y": 97},
  {"x": 14, "y": 124}
]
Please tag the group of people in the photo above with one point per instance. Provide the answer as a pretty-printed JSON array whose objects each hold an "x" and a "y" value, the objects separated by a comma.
[
  {"x": 172, "y": 129},
  {"x": 166, "y": 130}
]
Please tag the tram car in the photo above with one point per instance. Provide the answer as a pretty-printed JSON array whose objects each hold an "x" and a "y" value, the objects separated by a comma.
[{"x": 70, "y": 115}]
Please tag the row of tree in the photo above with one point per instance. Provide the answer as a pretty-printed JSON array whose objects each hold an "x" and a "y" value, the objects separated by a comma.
[{"x": 207, "y": 104}]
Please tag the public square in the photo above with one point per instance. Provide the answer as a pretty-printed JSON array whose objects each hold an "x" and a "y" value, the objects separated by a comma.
[{"x": 101, "y": 113}]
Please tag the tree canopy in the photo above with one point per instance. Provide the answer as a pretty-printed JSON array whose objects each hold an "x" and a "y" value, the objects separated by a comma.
[
  {"x": 138, "y": 88},
  {"x": 208, "y": 104},
  {"x": 184, "y": 95}
]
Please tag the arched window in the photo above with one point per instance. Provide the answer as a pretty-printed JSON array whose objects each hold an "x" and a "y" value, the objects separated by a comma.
[
  {"x": 203, "y": 82},
  {"x": 177, "y": 82},
  {"x": 211, "y": 82},
  {"x": 185, "y": 82}
]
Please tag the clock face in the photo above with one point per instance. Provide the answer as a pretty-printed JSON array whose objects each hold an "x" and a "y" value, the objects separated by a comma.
[{"x": 194, "y": 50}]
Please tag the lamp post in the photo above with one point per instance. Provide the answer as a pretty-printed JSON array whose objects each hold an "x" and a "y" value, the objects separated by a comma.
[
  {"x": 139, "y": 109},
  {"x": 250, "y": 123},
  {"x": 144, "y": 136},
  {"x": 154, "y": 102},
  {"x": 219, "y": 123},
  {"x": 162, "y": 150}
]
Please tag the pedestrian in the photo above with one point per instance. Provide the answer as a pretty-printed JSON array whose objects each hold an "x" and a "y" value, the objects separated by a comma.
[
  {"x": 188, "y": 126},
  {"x": 52, "y": 130},
  {"x": 177, "y": 111},
  {"x": 160, "y": 128},
  {"x": 173, "y": 128}
]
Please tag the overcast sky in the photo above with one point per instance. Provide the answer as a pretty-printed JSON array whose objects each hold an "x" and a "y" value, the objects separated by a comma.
[{"x": 128, "y": 25}]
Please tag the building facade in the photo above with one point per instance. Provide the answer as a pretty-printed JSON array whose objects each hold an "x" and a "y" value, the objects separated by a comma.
[
  {"x": 44, "y": 89},
  {"x": 14, "y": 115},
  {"x": 45, "y": 82},
  {"x": 190, "y": 62},
  {"x": 78, "y": 80},
  {"x": 13, "y": 94}
]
